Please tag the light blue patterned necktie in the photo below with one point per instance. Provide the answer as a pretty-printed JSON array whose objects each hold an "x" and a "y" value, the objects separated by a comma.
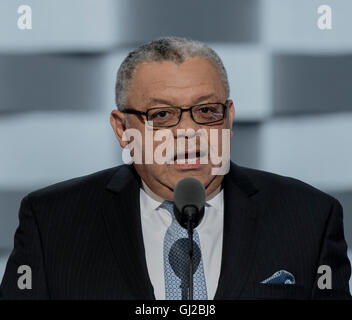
[{"x": 176, "y": 262}]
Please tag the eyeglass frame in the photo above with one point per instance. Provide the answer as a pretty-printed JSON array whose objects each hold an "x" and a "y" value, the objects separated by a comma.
[{"x": 142, "y": 113}]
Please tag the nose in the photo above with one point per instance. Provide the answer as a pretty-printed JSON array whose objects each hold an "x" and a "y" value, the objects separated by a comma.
[{"x": 186, "y": 121}]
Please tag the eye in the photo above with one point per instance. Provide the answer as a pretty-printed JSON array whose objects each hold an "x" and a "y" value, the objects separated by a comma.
[
  {"x": 206, "y": 110},
  {"x": 160, "y": 114}
]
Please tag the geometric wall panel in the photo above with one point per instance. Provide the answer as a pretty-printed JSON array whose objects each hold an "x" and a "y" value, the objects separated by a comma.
[
  {"x": 206, "y": 20},
  {"x": 248, "y": 72},
  {"x": 306, "y": 84},
  {"x": 38, "y": 149},
  {"x": 245, "y": 144},
  {"x": 59, "y": 26},
  {"x": 51, "y": 82},
  {"x": 291, "y": 26},
  {"x": 315, "y": 149},
  {"x": 10, "y": 204},
  {"x": 345, "y": 197}
]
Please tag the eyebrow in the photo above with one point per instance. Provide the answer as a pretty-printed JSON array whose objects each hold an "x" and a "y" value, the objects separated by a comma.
[{"x": 152, "y": 101}]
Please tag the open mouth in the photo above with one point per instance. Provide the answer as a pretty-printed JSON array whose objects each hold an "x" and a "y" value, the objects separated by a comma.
[{"x": 188, "y": 156}]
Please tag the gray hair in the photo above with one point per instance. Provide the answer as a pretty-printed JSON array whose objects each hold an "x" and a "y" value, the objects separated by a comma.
[{"x": 164, "y": 49}]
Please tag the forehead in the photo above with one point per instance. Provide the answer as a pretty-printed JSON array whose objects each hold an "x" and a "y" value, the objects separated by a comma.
[{"x": 178, "y": 83}]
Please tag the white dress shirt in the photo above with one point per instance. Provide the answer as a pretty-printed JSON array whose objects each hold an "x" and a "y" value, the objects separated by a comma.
[{"x": 156, "y": 221}]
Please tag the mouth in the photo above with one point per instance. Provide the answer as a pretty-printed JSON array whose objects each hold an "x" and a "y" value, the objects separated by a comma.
[
  {"x": 180, "y": 157},
  {"x": 189, "y": 160}
]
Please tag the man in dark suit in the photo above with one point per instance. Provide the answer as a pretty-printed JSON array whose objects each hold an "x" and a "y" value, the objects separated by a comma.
[{"x": 108, "y": 235}]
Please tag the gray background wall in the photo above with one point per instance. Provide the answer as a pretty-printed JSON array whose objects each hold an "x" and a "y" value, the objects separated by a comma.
[{"x": 290, "y": 81}]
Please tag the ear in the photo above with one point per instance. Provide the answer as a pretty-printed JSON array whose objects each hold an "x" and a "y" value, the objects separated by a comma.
[
  {"x": 117, "y": 121},
  {"x": 231, "y": 114}
]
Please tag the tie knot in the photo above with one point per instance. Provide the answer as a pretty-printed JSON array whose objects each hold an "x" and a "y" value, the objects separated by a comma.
[{"x": 169, "y": 206}]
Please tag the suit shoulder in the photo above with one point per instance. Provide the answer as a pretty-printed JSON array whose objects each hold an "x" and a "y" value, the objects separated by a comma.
[
  {"x": 276, "y": 184},
  {"x": 78, "y": 185}
]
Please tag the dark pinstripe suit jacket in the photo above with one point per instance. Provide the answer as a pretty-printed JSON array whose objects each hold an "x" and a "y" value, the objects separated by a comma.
[{"x": 82, "y": 239}]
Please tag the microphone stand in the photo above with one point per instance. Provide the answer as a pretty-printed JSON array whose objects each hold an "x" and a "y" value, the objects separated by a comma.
[
  {"x": 190, "y": 238},
  {"x": 191, "y": 212},
  {"x": 189, "y": 219}
]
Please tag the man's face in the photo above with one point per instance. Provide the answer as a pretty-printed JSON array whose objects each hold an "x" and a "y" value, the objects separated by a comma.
[{"x": 161, "y": 84}]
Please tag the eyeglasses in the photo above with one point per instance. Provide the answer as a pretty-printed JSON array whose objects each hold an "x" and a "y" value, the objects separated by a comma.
[{"x": 165, "y": 117}]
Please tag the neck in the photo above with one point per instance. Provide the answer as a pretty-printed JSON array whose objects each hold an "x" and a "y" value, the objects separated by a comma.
[{"x": 155, "y": 196}]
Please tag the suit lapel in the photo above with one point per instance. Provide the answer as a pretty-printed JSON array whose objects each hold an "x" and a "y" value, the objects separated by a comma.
[
  {"x": 122, "y": 219},
  {"x": 239, "y": 234}
]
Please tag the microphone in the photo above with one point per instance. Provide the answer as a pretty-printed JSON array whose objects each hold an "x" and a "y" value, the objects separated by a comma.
[{"x": 189, "y": 201}]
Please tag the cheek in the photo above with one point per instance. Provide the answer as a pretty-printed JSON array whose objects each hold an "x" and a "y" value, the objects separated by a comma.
[{"x": 215, "y": 139}]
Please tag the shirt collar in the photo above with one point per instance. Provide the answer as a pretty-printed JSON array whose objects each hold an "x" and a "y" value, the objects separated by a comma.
[
  {"x": 216, "y": 199},
  {"x": 149, "y": 199}
]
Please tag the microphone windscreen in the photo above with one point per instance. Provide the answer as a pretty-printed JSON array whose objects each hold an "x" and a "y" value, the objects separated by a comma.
[{"x": 189, "y": 192}]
